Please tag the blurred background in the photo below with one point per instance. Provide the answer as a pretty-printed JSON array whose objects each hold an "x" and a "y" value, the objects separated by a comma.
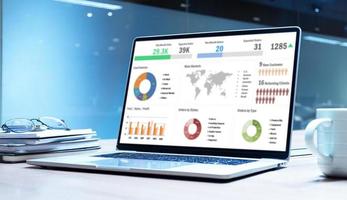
[{"x": 69, "y": 58}]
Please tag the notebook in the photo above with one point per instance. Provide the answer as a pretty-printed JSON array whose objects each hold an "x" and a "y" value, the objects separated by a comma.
[{"x": 216, "y": 105}]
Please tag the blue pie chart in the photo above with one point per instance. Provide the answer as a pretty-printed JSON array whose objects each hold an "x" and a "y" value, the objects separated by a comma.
[{"x": 153, "y": 84}]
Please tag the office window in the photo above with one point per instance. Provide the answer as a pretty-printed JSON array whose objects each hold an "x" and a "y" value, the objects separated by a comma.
[{"x": 69, "y": 59}]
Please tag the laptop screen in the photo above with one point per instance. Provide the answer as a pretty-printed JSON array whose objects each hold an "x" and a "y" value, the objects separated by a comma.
[{"x": 230, "y": 90}]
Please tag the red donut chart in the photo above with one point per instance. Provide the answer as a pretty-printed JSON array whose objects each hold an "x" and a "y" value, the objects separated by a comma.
[{"x": 192, "y": 136}]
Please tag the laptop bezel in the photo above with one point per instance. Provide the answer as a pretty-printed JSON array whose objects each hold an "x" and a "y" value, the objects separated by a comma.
[{"x": 217, "y": 151}]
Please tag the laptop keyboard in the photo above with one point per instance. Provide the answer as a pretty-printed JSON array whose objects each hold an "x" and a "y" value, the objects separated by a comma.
[{"x": 178, "y": 158}]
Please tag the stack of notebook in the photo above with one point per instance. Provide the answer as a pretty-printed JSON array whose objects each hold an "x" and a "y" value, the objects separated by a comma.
[{"x": 16, "y": 147}]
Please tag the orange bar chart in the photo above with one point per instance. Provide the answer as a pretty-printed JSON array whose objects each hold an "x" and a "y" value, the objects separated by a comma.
[
  {"x": 146, "y": 129},
  {"x": 143, "y": 129},
  {"x": 137, "y": 129},
  {"x": 149, "y": 128},
  {"x": 131, "y": 129},
  {"x": 162, "y": 130},
  {"x": 155, "y": 130}
]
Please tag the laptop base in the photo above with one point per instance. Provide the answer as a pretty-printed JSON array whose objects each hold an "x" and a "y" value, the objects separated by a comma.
[{"x": 161, "y": 168}]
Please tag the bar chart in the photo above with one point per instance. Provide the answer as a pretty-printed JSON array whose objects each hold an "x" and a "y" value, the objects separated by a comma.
[
  {"x": 229, "y": 54},
  {"x": 150, "y": 129},
  {"x": 162, "y": 57}
]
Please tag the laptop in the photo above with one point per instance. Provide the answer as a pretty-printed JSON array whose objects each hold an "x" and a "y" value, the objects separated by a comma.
[{"x": 215, "y": 105}]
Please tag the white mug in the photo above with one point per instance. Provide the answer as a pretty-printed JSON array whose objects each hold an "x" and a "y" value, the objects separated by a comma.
[{"x": 331, "y": 149}]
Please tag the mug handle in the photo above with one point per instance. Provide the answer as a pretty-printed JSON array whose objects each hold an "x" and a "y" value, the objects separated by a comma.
[{"x": 309, "y": 135}]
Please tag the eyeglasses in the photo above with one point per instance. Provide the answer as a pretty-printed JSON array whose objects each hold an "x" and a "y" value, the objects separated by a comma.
[{"x": 20, "y": 125}]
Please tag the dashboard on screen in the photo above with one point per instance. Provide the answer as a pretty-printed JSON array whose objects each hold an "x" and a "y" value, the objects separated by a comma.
[{"x": 230, "y": 92}]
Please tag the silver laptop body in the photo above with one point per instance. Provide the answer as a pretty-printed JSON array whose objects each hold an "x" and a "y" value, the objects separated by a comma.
[{"x": 213, "y": 105}]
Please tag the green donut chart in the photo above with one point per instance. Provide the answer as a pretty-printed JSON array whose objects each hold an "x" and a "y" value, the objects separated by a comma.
[
  {"x": 245, "y": 134},
  {"x": 145, "y": 96}
]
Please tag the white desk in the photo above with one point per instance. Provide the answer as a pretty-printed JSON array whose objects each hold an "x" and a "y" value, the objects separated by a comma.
[{"x": 300, "y": 180}]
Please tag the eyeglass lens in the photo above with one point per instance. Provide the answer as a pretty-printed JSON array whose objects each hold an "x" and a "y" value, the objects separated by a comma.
[
  {"x": 19, "y": 125},
  {"x": 53, "y": 122}
]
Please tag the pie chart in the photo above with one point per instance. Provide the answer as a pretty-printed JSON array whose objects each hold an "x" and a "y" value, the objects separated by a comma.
[
  {"x": 192, "y": 129},
  {"x": 251, "y": 124},
  {"x": 142, "y": 79}
]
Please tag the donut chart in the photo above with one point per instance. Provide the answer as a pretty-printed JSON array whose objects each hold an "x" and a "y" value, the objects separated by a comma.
[
  {"x": 192, "y": 136},
  {"x": 145, "y": 96},
  {"x": 245, "y": 134}
]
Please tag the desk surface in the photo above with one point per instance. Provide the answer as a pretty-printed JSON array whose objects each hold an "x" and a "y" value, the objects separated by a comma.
[{"x": 300, "y": 180}]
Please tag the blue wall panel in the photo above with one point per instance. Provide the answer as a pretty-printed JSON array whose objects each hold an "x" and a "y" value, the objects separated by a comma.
[{"x": 60, "y": 62}]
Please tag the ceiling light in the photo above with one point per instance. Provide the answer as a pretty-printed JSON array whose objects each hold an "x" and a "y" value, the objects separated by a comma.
[
  {"x": 316, "y": 8},
  {"x": 325, "y": 40},
  {"x": 92, "y": 4},
  {"x": 256, "y": 19},
  {"x": 184, "y": 5},
  {"x": 321, "y": 40}
]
